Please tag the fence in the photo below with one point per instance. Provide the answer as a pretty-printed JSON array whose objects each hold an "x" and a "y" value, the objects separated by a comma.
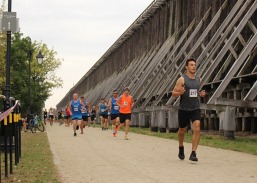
[{"x": 10, "y": 136}]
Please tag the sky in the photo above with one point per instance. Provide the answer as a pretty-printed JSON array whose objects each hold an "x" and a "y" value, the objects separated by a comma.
[{"x": 80, "y": 31}]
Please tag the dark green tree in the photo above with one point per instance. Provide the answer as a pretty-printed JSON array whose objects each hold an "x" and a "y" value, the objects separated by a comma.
[{"x": 42, "y": 77}]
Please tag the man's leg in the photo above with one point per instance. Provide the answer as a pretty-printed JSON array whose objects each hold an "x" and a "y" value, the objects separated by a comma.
[
  {"x": 127, "y": 128},
  {"x": 102, "y": 122},
  {"x": 81, "y": 126},
  {"x": 195, "y": 140},
  {"x": 74, "y": 126},
  {"x": 181, "y": 135}
]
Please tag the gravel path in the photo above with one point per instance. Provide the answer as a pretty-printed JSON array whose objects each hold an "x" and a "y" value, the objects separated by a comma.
[{"x": 97, "y": 157}]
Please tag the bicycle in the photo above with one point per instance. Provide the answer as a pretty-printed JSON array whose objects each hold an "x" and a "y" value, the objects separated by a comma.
[{"x": 35, "y": 124}]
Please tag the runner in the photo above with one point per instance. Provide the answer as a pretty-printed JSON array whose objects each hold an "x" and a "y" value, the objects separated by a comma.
[
  {"x": 45, "y": 116},
  {"x": 187, "y": 87},
  {"x": 126, "y": 103},
  {"x": 59, "y": 113},
  {"x": 51, "y": 115},
  {"x": 85, "y": 113},
  {"x": 93, "y": 115},
  {"x": 68, "y": 116},
  {"x": 114, "y": 112},
  {"x": 76, "y": 115},
  {"x": 103, "y": 112}
]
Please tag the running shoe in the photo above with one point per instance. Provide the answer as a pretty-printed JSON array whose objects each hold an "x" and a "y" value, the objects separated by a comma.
[
  {"x": 75, "y": 134},
  {"x": 77, "y": 127},
  {"x": 114, "y": 134},
  {"x": 125, "y": 138},
  {"x": 193, "y": 157},
  {"x": 181, "y": 154}
]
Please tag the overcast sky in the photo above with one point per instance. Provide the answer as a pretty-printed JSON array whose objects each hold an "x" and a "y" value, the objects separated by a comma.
[{"x": 80, "y": 31}]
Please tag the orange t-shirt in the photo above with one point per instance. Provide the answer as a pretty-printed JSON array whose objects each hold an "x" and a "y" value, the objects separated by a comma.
[{"x": 126, "y": 102}]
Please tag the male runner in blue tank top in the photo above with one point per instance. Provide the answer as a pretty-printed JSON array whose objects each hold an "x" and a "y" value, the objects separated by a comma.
[
  {"x": 187, "y": 87},
  {"x": 76, "y": 115},
  {"x": 103, "y": 112},
  {"x": 115, "y": 112},
  {"x": 85, "y": 113}
]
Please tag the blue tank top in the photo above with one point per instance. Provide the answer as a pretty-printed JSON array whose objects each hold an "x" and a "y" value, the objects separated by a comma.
[
  {"x": 76, "y": 108},
  {"x": 190, "y": 100},
  {"x": 86, "y": 112},
  {"x": 103, "y": 109},
  {"x": 115, "y": 108}
]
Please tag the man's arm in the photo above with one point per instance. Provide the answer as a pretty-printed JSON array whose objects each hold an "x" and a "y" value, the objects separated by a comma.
[
  {"x": 202, "y": 93},
  {"x": 110, "y": 103},
  {"x": 70, "y": 108},
  {"x": 179, "y": 88},
  {"x": 132, "y": 102}
]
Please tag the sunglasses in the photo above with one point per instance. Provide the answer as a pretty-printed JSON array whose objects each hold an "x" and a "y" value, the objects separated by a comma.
[{"x": 115, "y": 93}]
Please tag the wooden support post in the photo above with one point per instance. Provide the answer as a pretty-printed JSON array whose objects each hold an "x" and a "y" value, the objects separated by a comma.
[
  {"x": 243, "y": 124},
  {"x": 229, "y": 122},
  {"x": 142, "y": 122},
  {"x": 162, "y": 121},
  {"x": 173, "y": 120},
  {"x": 154, "y": 122},
  {"x": 206, "y": 122},
  {"x": 134, "y": 120},
  {"x": 221, "y": 116}
]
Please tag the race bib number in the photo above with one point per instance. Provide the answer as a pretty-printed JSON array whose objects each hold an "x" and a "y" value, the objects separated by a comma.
[
  {"x": 125, "y": 103},
  {"x": 116, "y": 108},
  {"x": 76, "y": 109},
  {"x": 193, "y": 93}
]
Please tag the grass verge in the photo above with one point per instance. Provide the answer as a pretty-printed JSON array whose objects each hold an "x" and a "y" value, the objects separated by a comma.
[
  {"x": 36, "y": 163},
  {"x": 240, "y": 144}
]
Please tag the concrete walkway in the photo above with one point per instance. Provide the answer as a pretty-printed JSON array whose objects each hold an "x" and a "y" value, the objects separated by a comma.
[{"x": 97, "y": 157}]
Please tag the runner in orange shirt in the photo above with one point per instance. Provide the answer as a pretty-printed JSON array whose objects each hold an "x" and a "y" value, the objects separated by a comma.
[{"x": 126, "y": 103}]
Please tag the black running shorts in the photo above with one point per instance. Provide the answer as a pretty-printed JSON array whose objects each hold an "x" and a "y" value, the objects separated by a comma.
[
  {"x": 85, "y": 118},
  {"x": 124, "y": 117},
  {"x": 184, "y": 117},
  {"x": 105, "y": 116},
  {"x": 93, "y": 117},
  {"x": 114, "y": 116}
]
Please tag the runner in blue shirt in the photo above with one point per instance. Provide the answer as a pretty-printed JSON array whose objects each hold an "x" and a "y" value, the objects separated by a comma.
[
  {"x": 115, "y": 112},
  {"x": 76, "y": 115},
  {"x": 85, "y": 113},
  {"x": 103, "y": 112}
]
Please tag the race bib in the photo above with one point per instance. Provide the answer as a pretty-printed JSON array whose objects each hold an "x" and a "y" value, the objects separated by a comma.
[
  {"x": 125, "y": 103},
  {"x": 193, "y": 93},
  {"x": 76, "y": 109},
  {"x": 102, "y": 110},
  {"x": 116, "y": 108}
]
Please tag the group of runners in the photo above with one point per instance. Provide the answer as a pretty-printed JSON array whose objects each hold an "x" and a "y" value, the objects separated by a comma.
[{"x": 117, "y": 109}]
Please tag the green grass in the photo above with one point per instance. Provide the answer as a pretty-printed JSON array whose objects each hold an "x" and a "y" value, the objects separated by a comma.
[
  {"x": 36, "y": 163},
  {"x": 240, "y": 144}
]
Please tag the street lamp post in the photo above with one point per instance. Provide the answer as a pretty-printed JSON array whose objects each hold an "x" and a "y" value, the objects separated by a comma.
[{"x": 40, "y": 58}]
